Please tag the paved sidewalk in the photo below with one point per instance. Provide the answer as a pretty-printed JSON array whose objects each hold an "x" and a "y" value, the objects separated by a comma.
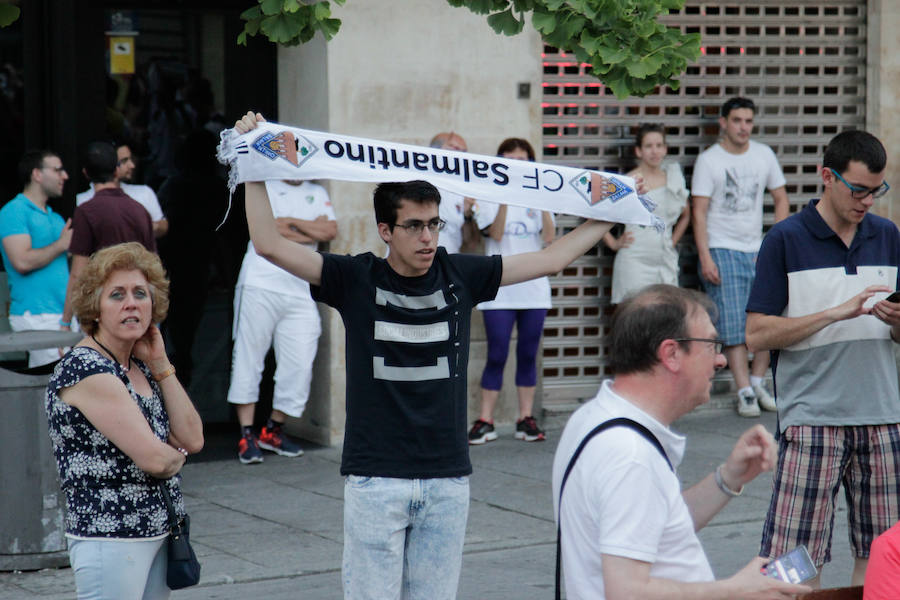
[{"x": 274, "y": 530}]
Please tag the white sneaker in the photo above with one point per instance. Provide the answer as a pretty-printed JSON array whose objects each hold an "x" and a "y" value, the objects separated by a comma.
[
  {"x": 747, "y": 405},
  {"x": 765, "y": 399}
]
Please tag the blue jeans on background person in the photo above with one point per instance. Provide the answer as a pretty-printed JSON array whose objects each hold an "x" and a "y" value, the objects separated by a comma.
[
  {"x": 119, "y": 570},
  {"x": 403, "y": 538}
]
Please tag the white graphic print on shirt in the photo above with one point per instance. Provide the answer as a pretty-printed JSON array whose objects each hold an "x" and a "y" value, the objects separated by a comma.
[{"x": 411, "y": 334}]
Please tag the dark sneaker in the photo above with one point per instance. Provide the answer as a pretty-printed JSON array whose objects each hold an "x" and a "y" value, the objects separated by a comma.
[
  {"x": 482, "y": 432},
  {"x": 248, "y": 450},
  {"x": 527, "y": 429},
  {"x": 275, "y": 441}
]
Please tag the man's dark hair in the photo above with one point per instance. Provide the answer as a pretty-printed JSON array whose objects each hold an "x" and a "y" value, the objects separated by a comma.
[
  {"x": 119, "y": 142},
  {"x": 641, "y": 323},
  {"x": 100, "y": 161},
  {"x": 856, "y": 145},
  {"x": 389, "y": 195},
  {"x": 31, "y": 160},
  {"x": 737, "y": 102}
]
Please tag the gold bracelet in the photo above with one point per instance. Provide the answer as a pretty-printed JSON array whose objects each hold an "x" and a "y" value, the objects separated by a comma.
[{"x": 160, "y": 376}]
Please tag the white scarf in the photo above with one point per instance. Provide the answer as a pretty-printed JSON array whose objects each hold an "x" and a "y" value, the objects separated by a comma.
[{"x": 273, "y": 151}]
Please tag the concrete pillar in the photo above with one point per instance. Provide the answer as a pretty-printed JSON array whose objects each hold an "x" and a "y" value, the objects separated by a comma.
[
  {"x": 883, "y": 100},
  {"x": 402, "y": 70},
  {"x": 883, "y": 93}
]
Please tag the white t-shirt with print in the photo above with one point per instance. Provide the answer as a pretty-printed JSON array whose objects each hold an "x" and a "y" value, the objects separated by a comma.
[
  {"x": 522, "y": 234},
  {"x": 451, "y": 211},
  {"x": 735, "y": 185}
]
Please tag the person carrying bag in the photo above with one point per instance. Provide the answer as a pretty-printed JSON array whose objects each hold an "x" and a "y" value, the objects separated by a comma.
[{"x": 183, "y": 568}]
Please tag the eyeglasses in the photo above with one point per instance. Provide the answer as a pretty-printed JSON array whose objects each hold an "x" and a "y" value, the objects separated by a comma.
[
  {"x": 717, "y": 345},
  {"x": 417, "y": 227},
  {"x": 858, "y": 193}
]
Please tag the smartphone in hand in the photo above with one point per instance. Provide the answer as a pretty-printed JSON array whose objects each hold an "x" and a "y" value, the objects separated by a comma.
[
  {"x": 879, "y": 296},
  {"x": 794, "y": 567}
]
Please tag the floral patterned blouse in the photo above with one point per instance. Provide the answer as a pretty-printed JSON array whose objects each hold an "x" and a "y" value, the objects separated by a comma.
[{"x": 107, "y": 495}]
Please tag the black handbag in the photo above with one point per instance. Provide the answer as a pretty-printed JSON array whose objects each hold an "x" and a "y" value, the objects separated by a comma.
[{"x": 183, "y": 569}]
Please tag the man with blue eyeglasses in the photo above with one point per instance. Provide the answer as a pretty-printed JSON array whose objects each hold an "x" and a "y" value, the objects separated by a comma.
[{"x": 819, "y": 303}]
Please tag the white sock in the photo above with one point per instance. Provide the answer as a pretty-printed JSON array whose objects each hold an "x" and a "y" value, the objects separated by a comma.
[
  {"x": 747, "y": 390},
  {"x": 755, "y": 381}
]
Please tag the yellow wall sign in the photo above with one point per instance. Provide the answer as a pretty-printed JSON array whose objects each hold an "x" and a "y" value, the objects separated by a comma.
[{"x": 121, "y": 55}]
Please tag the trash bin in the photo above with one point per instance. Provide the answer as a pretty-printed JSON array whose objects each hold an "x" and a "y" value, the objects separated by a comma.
[{"x": 32, "y": 528}]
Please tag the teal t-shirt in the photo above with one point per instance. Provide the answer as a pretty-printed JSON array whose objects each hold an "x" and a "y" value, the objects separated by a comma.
[{"x": 43, "y": 290}]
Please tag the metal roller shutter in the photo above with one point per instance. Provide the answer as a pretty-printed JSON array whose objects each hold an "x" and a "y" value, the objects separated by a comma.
[{"x": 804, "y": 64}]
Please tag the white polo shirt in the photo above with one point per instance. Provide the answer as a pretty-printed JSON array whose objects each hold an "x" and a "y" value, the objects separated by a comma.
[{"x": 622, "y": 499}]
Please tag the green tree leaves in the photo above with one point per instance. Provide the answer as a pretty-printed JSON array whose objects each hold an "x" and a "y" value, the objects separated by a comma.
[
  {"x": 8, "y": 14},
  {"x": 289, "y": 22},
  {"x": 628, "y": 49},
  {"x": 506, "y": 22}
]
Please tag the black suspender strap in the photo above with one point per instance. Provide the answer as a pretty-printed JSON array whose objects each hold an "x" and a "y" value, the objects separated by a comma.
[{"x": 619, "y": 422}]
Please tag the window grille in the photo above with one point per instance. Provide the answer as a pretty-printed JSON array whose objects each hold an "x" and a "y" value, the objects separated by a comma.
[{"x": 803, "y": 62}]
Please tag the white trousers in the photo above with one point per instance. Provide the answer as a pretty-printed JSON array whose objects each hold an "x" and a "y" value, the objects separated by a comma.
[{"x": 263, "y": 318}]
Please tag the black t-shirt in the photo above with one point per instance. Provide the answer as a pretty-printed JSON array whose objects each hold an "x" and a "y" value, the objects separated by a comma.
[{"x": 407, "y": 344}]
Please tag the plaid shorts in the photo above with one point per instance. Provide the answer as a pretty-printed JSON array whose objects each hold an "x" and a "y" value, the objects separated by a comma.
[
  {"x": 736, "y": 271},
  {"x": 813, "y": 463}
]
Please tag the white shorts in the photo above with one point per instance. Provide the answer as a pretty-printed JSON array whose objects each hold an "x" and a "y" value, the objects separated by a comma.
[
  {"x": 43, "y": 322},
  {"x": 261, "y": 318}
]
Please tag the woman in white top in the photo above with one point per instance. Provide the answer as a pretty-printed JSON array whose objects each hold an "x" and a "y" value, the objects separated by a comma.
[
  {"x": 513, "y": 230},
  {"x": 644, "y": 256}
]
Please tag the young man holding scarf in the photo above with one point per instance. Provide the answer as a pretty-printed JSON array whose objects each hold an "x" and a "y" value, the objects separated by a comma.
[{"x": 407, "y": 319}]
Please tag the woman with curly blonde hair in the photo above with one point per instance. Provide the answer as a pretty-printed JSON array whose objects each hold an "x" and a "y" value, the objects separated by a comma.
[{"x": 119, "y": 420}]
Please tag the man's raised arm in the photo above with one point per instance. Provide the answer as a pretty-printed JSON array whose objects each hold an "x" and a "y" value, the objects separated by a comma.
[
  {"x": 555, "y": 257},
  {"x": 271, "y": 245},
  {"x": 754, "y": 453},
  {"x": 268, "y": 243}
]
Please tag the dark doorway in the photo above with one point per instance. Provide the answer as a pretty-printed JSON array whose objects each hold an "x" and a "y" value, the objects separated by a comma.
[{"x": 61, "y": 89}]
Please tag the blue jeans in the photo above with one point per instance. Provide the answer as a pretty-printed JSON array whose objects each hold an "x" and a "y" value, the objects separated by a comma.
[
  {"x": 403, "y": 538},
  {"x": 119, "y": 570}
]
